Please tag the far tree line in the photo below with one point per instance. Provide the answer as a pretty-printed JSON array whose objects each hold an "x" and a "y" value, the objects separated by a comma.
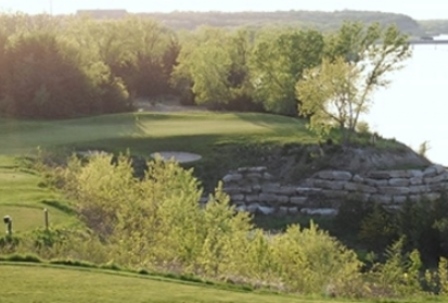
[{"x": 58, "y": 67}]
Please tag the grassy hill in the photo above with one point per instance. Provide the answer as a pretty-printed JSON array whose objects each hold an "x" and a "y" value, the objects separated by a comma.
[
  {"x": 47, "y": 283},
  {"x": 325, "y": 21}
]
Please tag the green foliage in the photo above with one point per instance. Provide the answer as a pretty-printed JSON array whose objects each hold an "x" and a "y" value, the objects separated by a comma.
[
  {"x": 423, "y": 148},
  {"x": 278, "y": 62},
  {"x": 378, "y": 229},
  {"x": 310, "y": 260},
  {"x": 358, "y": 59},
  {"x": 55, "y": 69}
]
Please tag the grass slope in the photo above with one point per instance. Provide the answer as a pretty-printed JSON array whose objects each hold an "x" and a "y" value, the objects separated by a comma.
[
  {"x": 23, "y": 199},
  {"x": 144, "y": 133},
  {"x": 36, "y": 283}
]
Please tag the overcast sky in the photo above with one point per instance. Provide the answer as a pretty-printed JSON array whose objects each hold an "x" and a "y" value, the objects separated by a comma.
[{"x": 418, "y": 9}]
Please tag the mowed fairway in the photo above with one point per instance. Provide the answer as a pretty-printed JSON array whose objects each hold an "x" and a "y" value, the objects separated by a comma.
[
  {"x": 34, "y": 283},
  {"x": 144, "y": 133}
]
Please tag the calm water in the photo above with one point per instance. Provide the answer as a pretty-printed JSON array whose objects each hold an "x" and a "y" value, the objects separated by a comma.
[{"x": 415, "y": 106}]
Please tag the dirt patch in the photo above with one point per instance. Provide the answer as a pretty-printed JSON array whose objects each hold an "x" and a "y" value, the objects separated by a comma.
[{"x": 181, "y": 157}]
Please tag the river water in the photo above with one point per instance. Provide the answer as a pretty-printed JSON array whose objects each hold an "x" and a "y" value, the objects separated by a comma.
[{"x": 414, "y": 108}]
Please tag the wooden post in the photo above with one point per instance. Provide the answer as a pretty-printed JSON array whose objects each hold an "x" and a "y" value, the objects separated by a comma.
[
  {"x": 8, "y": 221},
  {"x": 46, "y": 219}
]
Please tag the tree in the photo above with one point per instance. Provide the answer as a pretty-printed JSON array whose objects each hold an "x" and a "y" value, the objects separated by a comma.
[
  {"x": 358, "y": 59},
  {"x": 277, "y": 63}
]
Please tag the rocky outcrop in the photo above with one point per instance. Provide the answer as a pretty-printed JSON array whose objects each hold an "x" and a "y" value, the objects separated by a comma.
[{"x": 255, "y": 190}]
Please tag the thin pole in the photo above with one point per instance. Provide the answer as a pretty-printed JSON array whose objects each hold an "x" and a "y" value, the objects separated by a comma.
[{"x": 46, "y": 219}]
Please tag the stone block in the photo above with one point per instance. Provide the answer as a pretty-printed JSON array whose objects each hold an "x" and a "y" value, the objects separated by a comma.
[
  {"x": 381, "y": 175},
  {"x": 399, "y": 199},
  {"x": 418, "y": 189},
  {"x": 270, "y": 188},
  {"x": 229, "y": 178},
  {"x": 335, "y": 193},
  {"x": 392, "y": 190},
  {"x": 235, "y": 198},
  {"x": 234, "y": 190},
  {"x": 254, "y": 176},
  {"x": 381, "y": 199},
  {"x": 398, "y": 174},
  {"x": 416, "y": 180},
  {"x": 358, "y": 179},
  {"x": 252, "y": 208},
  {"x": 334, "y": 175},
  {"x": 376, "y": 182},
  {"x": 268, "y": 198},
  {"x": 399, "y": 182},
  {"x": 430, "y": 172},
  {"x": 415, "y": 173},
  {"x": 319, "y": 211},
  {"x": 259, "y": 169},
  {"x": 308, "y": 191},
  {"x": 298, "y": 200},
  {"x": 265, "y": 210},
  {"x": 325, "y": 184},
  {"x": 287, "y": 190},
  {"x": 415, "y": 198},
  {"x": 252, "y": 198},
  {"x": 283, "y": 199},
  {"x": 268, "y": 176}
]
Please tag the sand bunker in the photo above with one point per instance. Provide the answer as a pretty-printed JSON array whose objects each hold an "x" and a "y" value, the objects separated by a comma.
[{"x": 181, "y": 157}]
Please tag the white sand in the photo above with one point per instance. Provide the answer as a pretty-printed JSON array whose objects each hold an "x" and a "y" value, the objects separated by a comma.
[{"x": 181, "y": 157}]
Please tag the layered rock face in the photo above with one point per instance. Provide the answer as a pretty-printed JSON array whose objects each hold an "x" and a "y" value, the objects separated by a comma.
[{"x": 255, "y": 190}]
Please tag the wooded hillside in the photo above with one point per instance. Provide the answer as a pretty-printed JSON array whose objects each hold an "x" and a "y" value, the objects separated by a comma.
[{"x": 318, "y": 20}]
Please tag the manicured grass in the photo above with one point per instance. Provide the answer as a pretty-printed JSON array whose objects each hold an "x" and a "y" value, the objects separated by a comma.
[
  {"x": 37, "y": 283},
  {"x": 23, "y": 199},
  {"x": 144, "y": 133}
]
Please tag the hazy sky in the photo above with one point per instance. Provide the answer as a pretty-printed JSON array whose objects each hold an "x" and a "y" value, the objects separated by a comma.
[{"x": 427, "y": 9}]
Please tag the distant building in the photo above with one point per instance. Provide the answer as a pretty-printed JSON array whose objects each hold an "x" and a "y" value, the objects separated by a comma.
[{"x": 103, "y": 13}]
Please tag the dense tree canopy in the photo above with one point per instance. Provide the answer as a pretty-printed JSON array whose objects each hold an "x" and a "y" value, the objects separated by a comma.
[
  {"x": 65, "y": 67},
  {"x": 56, "y": 67}
]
